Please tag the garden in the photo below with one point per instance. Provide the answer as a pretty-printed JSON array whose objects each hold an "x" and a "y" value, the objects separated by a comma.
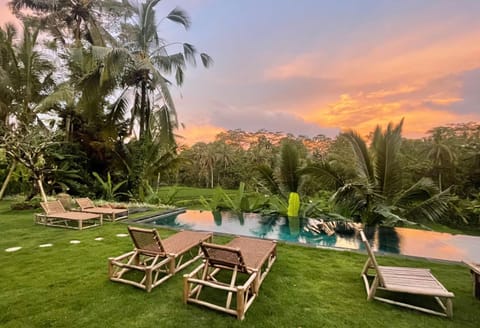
[{"x": 86, "y": 111}]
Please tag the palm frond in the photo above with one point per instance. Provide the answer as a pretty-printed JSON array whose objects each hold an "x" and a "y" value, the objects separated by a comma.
[
  {"x": 390, "y": 219},
  {"x": 189, "y": 52},
  {"x": 432, "y": 209},
  {"x": 386, "y": 147},
  {"x": 420, "y": 191},
  {"x": 362, "y": 157},
  {"x": 180, "y": 16},
  {"x": 65, "y": 93},
  {"x": 167, "y": 98},
  {"x": 325, "y": 173},
  {"x": 268, "y": 179},
  {"x": 207, "y": 61},
  {"x": 289, "y": 167},
  {"x": 119, "y": 108}
]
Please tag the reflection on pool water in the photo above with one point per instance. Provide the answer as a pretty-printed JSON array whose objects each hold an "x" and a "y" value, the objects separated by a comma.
[{"x": 404, "y": 241}]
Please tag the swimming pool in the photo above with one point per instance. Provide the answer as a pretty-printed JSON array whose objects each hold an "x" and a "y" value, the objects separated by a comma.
[{"x": 411, "y": 242}]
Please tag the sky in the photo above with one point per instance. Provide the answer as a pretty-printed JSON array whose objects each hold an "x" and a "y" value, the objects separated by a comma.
[{"x": 312, "y": 67}]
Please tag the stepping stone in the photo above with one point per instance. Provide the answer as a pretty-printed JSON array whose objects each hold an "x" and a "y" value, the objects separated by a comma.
[
  {"x": 99, "y": 238},
  {"x": 45, "y": 245},
  {"x": 122, "y": 235},
  {"x": 13, "y": 249},
  {"x": 74, "y": 241}
]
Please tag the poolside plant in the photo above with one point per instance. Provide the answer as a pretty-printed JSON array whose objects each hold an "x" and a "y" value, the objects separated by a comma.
[
  {"x": 377, "y": 194},
  {"x": 110, "y": 191},
  {"x": 215, "y": 202}
]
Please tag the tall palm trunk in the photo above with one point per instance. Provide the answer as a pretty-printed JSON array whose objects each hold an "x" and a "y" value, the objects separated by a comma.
[{"x": 143, "y": 103}]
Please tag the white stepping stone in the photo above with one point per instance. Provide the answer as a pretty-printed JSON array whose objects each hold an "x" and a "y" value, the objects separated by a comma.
[
  {"x": 13, "y": 249},
  {"x": 99, "y": 238},
  {"x": 45, "y": 245},
  {"x": 122, "y": 235},
  {"x": 74, "y": 241}
]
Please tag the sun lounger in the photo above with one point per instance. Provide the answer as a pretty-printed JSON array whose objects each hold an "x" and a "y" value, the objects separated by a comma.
[
  {"x": 155, "y": 260},
  {"x": 56, "y": 215},
  {"x": 404, "y": 280},
  {"x": 248, "y": 257},
  {"x": 475, "y": 271},
  {"x": 114, "y": 214}
]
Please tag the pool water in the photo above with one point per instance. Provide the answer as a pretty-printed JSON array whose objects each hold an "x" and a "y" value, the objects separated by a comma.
[{"x": 411, "y": 242}]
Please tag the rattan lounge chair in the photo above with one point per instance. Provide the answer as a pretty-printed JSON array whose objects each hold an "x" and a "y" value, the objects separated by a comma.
[
  {"x": 114, "y": 214},
  {"x": 55, "y": 215},
  {"x": 252, "y": 258},
  {"x": 404, "y": 280},
  {"x": 155, "y": 260}
]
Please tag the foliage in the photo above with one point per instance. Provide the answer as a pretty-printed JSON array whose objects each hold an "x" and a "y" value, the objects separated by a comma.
[
  {"x": 109, "y": 189},
  {"x": 377, "y": 194}
]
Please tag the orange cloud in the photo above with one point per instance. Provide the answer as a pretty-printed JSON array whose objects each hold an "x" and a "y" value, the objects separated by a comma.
[
  {"x": 363, "y": 115},
  {"x": 414, "y": 56},
  {"x": 196, "y": 133}
]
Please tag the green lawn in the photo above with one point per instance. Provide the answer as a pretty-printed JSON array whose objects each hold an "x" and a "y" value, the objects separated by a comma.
[{"x": 66, "y": 285}]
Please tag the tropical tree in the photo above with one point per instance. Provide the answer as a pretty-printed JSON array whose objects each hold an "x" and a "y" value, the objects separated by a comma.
[
  {"x": 285, "y": 180},
  {"x": 72, "y": 19},
  {"x": 441, "y": 155},
  {"x": 376, "y": 194},
  {"x": 25, "y": 76},
  {"x": 147, "y": 64},
  {"x": 30, "y": 146}
]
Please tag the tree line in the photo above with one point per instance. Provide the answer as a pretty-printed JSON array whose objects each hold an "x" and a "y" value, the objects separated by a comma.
[{"x": 86, "y": 108}]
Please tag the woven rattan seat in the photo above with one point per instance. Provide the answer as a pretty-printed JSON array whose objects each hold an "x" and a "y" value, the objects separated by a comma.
[{"x": 248, "y": 256}]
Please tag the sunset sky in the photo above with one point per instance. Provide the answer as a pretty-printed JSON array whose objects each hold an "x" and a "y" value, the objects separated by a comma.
[{"x": 318, "y": 67}]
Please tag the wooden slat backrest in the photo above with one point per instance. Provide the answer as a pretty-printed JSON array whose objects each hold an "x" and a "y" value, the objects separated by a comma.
[
  {"x": 224, "y": 255},
  {"x": 84, "y": 203},
  {"x": 371, "y": 255},
  {"x": 146, "y": 240},
  {"x": 52, "y": 207}
]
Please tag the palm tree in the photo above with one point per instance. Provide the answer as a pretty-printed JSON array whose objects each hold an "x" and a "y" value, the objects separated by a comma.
[
  {"x": 441, "y": 155},
  {"x": 147, "y": 63},
  {"x": 25, "y": 78},
  {"x": 285, "y": 180},
  {"x": 82, "y": 18},
  {"x": 376, "y": 193}
]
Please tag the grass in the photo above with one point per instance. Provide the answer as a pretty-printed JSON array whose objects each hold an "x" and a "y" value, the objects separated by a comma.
[{"x": 66, "y": 285}]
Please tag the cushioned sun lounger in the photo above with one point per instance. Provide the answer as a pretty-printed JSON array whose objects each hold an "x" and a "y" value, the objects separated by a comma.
[
  {"x": 404, "y": 280},
  {"x": 113, "y": 214},
  {"x": 247, "y": 257},
  {"x": 56, "y": 215},
  {"x": 155, "y": 260}
]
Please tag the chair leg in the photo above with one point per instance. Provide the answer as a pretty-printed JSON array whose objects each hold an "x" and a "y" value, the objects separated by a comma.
[
  {"x": 373, "y": 289},
  {"x": 148, "y": 281},
  {"x": 449, "y": 305},
  {"x": 232, "y": 284},
  {"x": 240, "y": 303}
]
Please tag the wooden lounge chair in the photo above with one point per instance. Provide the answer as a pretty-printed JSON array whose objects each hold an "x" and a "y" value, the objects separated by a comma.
[
  {"x": 475, "y": 271},
  {"x": 56, "y": 215},
  {"x": 404, "y": 280},
  {"x": 155, "y": 260},
  {"x": 250, "y": 257},
  {"x": 114, "y": 214}
]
